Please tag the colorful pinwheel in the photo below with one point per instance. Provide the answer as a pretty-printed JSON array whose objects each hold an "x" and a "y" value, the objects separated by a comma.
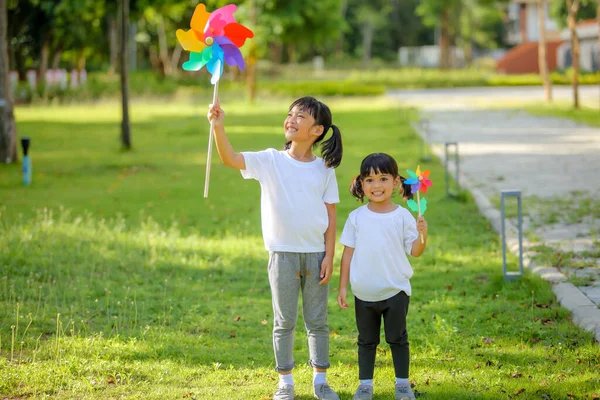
[
  {"x": 419, "y": 182},
  {"x": 215, "y": 39}
]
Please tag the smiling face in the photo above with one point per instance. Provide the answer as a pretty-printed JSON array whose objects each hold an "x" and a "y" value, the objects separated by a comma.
[
  {"x": 300, "y": 126},
  {"x": 379, "y": 187}
]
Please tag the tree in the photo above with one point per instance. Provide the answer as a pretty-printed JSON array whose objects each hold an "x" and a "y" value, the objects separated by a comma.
[
  {"x": 542, "y": 61},
  {"x": 125, "y": 128},
  {"x": 573, "y": 8},
  {"x": 481, "y": 26},
  {"x": 567, "y": 13},
  {"x": 371, "y": 17},
  {"x": 438, "y": 13},
  {"x": 8, "y": 130}
]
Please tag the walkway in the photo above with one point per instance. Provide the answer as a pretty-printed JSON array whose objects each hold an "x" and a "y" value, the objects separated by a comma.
[{"x": 554, "y": 162}]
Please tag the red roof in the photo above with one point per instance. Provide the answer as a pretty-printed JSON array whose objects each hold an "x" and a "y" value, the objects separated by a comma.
[{"x": 587, "y": 22}]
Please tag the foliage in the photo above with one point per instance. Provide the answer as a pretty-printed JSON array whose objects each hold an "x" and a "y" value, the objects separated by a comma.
[
  {"x": 558, "y": 11},
  {"x": 122, "y": 282},
  {"x": 77, "y": 31}
]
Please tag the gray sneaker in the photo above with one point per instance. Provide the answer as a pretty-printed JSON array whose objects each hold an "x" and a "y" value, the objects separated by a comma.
[
  {"x": 285, "y": 392},
  {"x": 404, "y": 392},
  {"x": 324, "y": 392},
  {"x": 364, "y": 392}
]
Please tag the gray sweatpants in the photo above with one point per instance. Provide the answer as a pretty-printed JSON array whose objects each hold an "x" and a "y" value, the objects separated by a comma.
[{"x": 290, "y": 273}]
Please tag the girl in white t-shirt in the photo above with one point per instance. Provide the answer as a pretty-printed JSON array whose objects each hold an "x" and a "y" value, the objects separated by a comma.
[
  {"x": 298, "y": 196},
  {"x": 376, "y": 239}
]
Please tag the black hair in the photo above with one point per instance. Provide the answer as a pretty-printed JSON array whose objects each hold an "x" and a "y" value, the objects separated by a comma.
[
  {"x": 331, "y": 149},
  {"x": 379, "y": 163}
]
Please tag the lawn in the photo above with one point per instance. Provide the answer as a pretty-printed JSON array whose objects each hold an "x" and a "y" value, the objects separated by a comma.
[
  {"x": 119, "y": 281},
  {"x": 584, "y": 115}
]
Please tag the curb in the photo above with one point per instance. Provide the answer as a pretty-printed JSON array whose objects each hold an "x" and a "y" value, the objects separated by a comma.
[{"x": 585, "y": 313}]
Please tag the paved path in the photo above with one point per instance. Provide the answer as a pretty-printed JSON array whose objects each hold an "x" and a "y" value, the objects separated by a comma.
[{"x": 554, "y": 162}]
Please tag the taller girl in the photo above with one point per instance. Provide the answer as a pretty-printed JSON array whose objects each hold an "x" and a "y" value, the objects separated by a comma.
[{"x": 298, "y": 196}]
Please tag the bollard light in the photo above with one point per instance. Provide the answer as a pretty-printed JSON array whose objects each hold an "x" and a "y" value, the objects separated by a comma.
[
  {"x": 508, "y": 275},
  {"x": 25, "y": 142}
]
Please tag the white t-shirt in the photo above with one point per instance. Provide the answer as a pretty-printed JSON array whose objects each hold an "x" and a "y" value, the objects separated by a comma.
[
  {"x": 293, "y": 196},
  {"x": 379, "y": 268}
]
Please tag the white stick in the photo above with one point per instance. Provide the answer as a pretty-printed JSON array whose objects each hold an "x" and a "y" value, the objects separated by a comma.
[
  {"x": 210, "y": 145},
  {"x": 419, "y": 205}
]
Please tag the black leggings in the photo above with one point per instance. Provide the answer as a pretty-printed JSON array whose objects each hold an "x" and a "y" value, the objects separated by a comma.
[{"x": 368, "y": 321}]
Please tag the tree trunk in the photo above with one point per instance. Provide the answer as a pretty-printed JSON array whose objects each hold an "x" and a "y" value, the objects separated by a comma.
[
  {"x": 56, "y": 57},
  {"x": 154, "y": 60},
  {"x": 339, "y": 43},
  {"x": 542, "y": 61},
  {"x": 396, "y": 25},
  {"x": 445, "y": 39},
  {"x": 251, "y": 59},
  {"x": 8, "y": 129},
  {"x": 43, "y": 66},
  {"x": 175, "y": 57},
  {"x": 20, "y": 65},
  {"x": 598, "y": 54},
  {"x": 113, "y": 41},
  {"x": 291, "y": 48},
  {"x": 468, "y": 39},
  {"x": 368, "y": 29},
  {"x": 163, "y": 50},
  {"x": 80, "y": 61},
  {"x": 573, "y": 8},
  {"x": 125, "y": 130}
]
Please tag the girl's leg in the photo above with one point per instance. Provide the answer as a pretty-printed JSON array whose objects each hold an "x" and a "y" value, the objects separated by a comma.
[
  {"x": 368, "y": 322},
  {"x": 394, "y": 317},
  {"x": 314, "y": 310},
  {"x": 285, "y": 285}
]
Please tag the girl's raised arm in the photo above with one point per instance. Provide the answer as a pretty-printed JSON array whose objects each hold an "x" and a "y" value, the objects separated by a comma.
[{"x": 228, "y": 155}]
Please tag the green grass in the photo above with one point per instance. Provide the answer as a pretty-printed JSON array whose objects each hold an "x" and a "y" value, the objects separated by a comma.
[
  {"x": 584, "y": 115},
  {"x": 118, "y": 280}
]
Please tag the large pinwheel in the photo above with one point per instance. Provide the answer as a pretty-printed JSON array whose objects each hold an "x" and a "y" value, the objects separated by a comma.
[
  {"x": 215, "y": 39},
  {"x": 419, "y": 182}
]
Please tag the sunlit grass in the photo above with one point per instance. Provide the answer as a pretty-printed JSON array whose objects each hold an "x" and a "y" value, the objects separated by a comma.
[
  {"x": 588, "y": 115},
  {"x": 119, "y": 280}
]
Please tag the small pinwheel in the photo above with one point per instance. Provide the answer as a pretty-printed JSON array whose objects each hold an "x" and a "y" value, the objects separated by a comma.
[
  {"x": 215, "y": 39},
  {"x": 419, "y": 182}
]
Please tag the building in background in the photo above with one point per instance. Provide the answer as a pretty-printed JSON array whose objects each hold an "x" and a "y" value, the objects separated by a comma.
[
  {"x": 522, "y": 32},
  {"x": 587, "y": 32}
]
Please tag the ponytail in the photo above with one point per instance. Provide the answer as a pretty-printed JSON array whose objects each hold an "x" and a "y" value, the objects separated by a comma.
[
  {"x": 332, "y": 149},
  {"x": 405, "y": 189},
  {"x": 356, "y": 189}
]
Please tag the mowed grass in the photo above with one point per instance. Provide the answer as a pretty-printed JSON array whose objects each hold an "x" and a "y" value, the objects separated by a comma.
[
  {"x": 585, "y": 115},
  {"x": 120, "y": 281}
]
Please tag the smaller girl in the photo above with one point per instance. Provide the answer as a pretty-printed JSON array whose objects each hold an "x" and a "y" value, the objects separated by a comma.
[{"x": 376, "y": 239}]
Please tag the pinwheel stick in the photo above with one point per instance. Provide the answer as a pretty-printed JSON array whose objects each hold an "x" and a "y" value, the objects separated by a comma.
[
  {"x": 210, "y": 144},
  {"x": 419, "y": 205}
]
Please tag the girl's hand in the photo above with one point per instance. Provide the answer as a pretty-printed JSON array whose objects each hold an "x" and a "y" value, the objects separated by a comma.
[
  {"x": 421, "y": 225},
  {"x": 326, "y": 270},
  {"x": 216, "y": 114},
  {"x": 342, "y": 298}
]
